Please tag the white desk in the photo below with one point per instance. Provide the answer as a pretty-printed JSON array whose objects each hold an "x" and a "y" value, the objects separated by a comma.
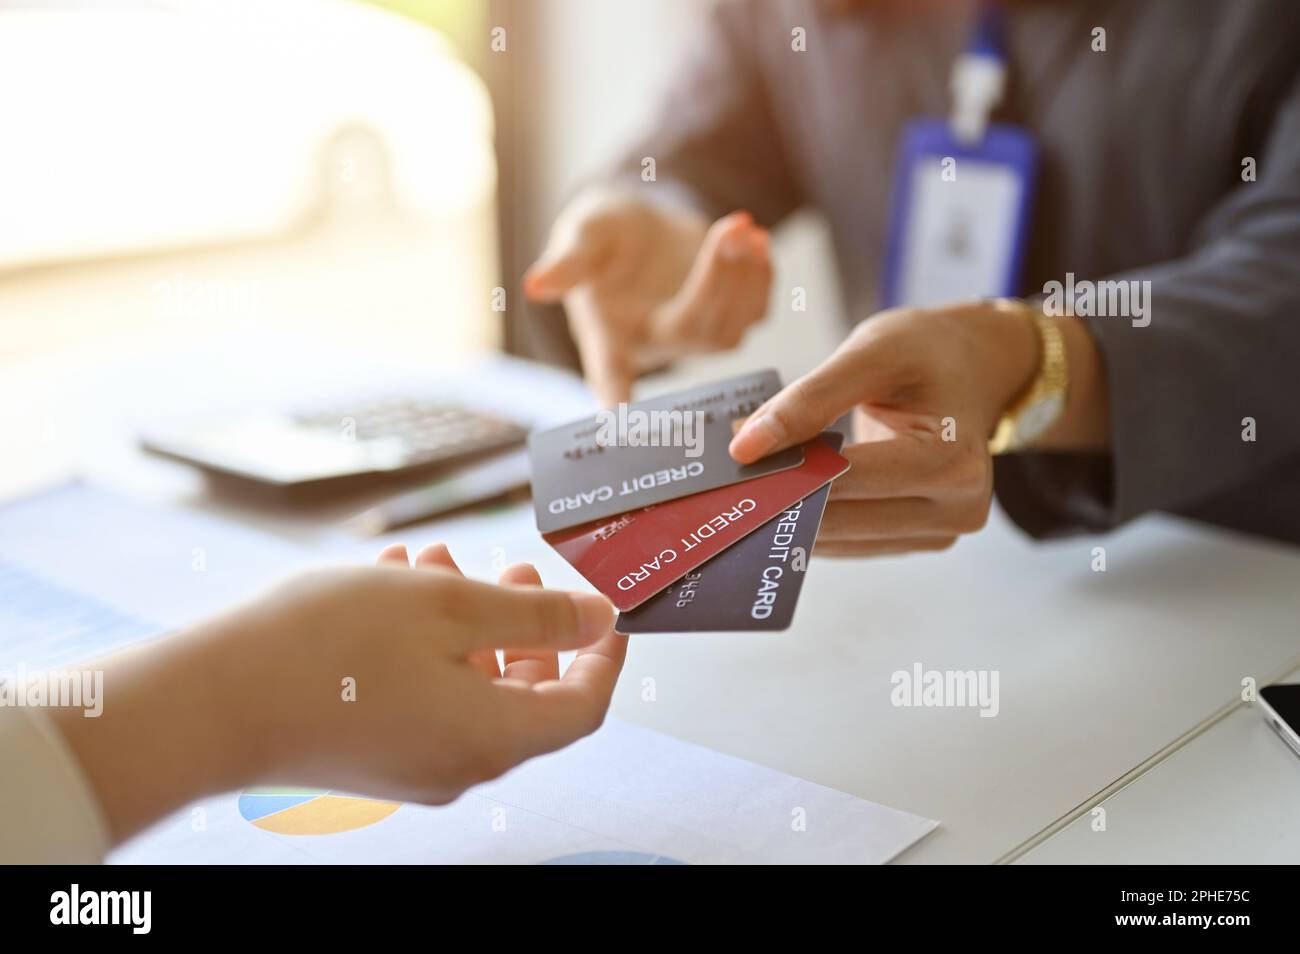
[
  {"x": 1098, "y": 671},
  {"x": 1228, "y": 796}
]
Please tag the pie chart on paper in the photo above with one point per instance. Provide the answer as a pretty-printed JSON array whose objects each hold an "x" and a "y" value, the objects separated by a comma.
[{"x": 306, "y": 811}]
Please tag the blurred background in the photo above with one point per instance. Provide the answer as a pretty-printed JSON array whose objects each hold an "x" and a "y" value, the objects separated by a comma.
[{"x": 371, "y": 174}]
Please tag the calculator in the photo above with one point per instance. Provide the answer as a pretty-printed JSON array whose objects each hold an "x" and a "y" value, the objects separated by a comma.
[{"x": 379, "y": 436}]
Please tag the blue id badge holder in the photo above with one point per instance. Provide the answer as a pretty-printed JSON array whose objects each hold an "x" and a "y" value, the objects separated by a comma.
[{"x": 959, "y": 218}]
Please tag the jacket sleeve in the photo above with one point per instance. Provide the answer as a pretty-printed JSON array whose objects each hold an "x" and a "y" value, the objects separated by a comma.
[
  {"x": 714, "y": 140},
  {"x": 1222, "y": 346}
]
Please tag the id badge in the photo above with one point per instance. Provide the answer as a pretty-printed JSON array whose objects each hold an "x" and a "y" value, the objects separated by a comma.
[{"x": 960, "y": 214}]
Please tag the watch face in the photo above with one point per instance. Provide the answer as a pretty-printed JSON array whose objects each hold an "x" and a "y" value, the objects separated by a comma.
[{"x": 1038, "y": 417}]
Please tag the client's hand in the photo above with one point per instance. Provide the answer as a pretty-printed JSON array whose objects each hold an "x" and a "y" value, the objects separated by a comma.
[{"x": 379, "y": 680}]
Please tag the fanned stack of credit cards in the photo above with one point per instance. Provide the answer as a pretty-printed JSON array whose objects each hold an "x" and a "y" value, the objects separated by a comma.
[{"x": 645, "y": 502}]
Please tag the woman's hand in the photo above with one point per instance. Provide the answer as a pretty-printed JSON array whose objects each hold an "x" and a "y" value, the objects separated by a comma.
[
  {"x": 644, "y": 285},
  {"x": 927, "y": 387},
  {"x": 377, "y": 680}
]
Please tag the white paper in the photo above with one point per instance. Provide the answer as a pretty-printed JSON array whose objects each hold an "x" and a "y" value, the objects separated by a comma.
[
  {"x": 625, "y": 795},
  {"x": 83, "y": 572}
]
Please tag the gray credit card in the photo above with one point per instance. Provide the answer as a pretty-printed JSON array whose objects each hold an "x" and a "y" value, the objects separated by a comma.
[
  {"x": 648, "y": 452},
  {"x": 752, "y": 586}
]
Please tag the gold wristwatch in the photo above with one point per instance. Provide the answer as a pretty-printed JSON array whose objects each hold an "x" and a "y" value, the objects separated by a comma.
[{"x": 1039, "y": 406}]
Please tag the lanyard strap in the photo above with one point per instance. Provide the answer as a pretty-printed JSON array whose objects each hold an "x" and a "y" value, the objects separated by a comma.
[{"x": 979, "y": 75}]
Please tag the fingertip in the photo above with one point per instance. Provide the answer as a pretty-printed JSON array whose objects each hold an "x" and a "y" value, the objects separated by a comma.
[
  {"x": 595, "y": 615},
  {"x": 759, "y": 436},
  {"x": 612, "y": 389},
  {"x": 733, "y": 235},
  {"x": 520, "y": 574},
  {"x": 549, "y": 278},
  {"x": 613, "y": 646},
  {"x": 557, "y": 272},
  {"x": 436, "y": 555},
  {"x": 394, "y": 555},
  {"x": 535, "y": 283}
]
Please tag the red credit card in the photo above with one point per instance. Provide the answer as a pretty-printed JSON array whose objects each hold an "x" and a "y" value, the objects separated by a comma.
[{"x": 633, "y": 556}]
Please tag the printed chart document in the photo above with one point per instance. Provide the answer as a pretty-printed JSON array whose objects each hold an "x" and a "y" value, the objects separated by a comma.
[
  {"x": 625, "y": 795},
  {"x": 84, "y": 572}
]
